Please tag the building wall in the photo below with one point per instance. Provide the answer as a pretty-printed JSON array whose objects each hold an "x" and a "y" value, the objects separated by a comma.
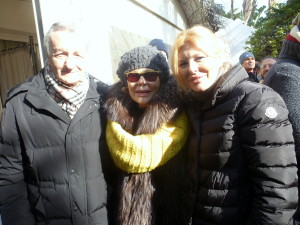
[
  {"x": 114, "y": 27},
  {"x": 16, "y": 20}
]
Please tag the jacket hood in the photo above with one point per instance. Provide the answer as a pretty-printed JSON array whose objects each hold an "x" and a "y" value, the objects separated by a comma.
[{"x": 290, "y": 50}]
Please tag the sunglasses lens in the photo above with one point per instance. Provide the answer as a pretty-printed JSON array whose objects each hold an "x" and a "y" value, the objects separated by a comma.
[
  {"x": 133, "y": 77},
  {"x": 148, "y": 76}
]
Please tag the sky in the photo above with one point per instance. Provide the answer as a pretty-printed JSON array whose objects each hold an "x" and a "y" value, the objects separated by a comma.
[{"x": 238, "y": 3}]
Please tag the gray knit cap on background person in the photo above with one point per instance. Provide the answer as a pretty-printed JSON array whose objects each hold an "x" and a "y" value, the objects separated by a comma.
[
  {"x": 143, "y": 57},
  {"x": 160, "y": 45},
  {"x": 245, "y": 56}
]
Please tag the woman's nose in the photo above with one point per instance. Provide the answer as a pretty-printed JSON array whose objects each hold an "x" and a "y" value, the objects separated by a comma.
[
  {"x": 142, "y": 80},
  {"x": 193, "y": 67}
]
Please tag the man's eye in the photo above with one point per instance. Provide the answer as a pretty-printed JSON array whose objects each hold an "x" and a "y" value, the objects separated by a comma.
[
  {"x": 79, "y": 56},
  {"x": 60, "y": 55}
]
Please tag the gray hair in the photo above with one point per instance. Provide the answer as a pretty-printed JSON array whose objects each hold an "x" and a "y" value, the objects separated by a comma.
[{"x": 71, "y": 27}]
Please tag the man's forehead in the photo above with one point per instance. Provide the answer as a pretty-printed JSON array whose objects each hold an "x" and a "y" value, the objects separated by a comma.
[
  {"x": 268, "y": 60},
  {"x": 67, "y": 41}
]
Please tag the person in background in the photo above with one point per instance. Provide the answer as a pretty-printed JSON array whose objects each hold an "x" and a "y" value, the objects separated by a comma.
[
  {"x": 242, "y": 155},
  {"x": 50, "y": 151},
  {"x": 247, "y": 60},
  {"x": 161, "y": 46},
  {"x": 257, "y": 70},
  {"x": 266, "y": 65},
  {"x": 146, "y": 133},
  {"x": 284, "y": 78}
]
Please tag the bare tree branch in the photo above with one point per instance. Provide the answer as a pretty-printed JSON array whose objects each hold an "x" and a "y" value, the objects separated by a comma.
[{"x": 247, "y": 10}]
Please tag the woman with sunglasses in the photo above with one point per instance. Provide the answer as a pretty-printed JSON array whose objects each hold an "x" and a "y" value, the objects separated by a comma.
[
  {"x": 146, "y": 133},
  {"x": 242, "y": 150}
]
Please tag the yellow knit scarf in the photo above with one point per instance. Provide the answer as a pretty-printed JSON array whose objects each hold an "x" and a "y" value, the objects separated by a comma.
[{"x": 145, "y": 152}]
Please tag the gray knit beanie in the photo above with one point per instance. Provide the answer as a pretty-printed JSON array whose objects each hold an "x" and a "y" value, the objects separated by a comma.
[
  {"x": 143, "y": 57},
  {"x": 245, "y": 56}
]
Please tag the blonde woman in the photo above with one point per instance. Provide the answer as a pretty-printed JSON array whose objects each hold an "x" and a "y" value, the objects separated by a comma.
[{"x": 242, "y": 143}]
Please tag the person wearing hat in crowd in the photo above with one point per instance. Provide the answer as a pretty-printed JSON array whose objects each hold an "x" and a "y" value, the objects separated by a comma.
[
  {"x": 146, "y": 134},
  {"x": 247, "y": 60},
  {"x": 284, "y": 78},
  {"x": 161, "y": 46}
]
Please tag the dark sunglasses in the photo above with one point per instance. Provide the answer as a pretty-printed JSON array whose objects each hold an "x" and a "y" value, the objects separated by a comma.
[{"x": 148, "y": 76}]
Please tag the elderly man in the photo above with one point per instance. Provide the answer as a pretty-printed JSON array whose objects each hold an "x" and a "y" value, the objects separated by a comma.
[
  {"x": 247, "y": 60},
  {"x": 266, "y": 65},
  {"x": 50, "y": 151}
]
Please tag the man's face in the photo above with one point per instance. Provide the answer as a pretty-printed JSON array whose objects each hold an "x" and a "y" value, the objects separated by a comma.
[
  {"x": 67, "y": 57},
  {"x": 249, "y": 64},
  {"x": 266, "y": 66}
]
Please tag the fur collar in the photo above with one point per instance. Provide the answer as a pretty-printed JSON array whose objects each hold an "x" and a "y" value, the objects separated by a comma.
[{"x": 122, "y": 109}]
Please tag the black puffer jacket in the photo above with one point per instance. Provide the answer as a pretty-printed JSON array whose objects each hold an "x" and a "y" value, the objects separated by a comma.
[
  {"x": 284, "y": 78},
  {"x": 50, "y": 166},
  {"x": 243, "y": 154}
]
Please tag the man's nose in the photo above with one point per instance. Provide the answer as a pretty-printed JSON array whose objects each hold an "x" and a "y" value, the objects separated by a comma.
[{"x": 70, "y": 62}]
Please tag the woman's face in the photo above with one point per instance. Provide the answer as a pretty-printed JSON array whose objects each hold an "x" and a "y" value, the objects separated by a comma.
[
  {"x": 142, "y": 89},
  {"x": 197, "y": 70}
]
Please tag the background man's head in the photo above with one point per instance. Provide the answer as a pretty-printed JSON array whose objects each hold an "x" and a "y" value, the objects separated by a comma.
[
  {"x": 247, "y": 60},
  {"x": 161, "y": 46},
  {"x": 266, "y": 65}
]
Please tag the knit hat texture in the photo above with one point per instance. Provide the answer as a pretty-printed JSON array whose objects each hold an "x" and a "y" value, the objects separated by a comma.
[
  {"x": 160, "y": 45},
  {"x": 244, "y": 56},
  {"x": 143, "y": 57}
]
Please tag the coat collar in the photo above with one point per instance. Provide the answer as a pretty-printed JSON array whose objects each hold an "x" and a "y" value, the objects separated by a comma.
[
  {"x": 228, "y": 82},
  {"x": 38, "y": 97}
]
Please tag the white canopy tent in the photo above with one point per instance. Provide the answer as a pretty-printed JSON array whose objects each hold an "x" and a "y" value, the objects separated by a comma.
[{"x": 236, "y": 34}]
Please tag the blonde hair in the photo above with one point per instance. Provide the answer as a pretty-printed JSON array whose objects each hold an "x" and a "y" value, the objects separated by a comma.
[
  {"x": 205, "y": 40},
  {"x": 296, "y": 20}
]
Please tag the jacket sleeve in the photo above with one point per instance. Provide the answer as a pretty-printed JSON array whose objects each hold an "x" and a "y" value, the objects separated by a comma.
[
  {"x": 15, "y": 209},
  {"x": 268, "y": 144},
  {"x": 288, "y": 87}
]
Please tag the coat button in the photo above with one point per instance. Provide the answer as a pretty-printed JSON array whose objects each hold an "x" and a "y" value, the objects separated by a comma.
[
  {"x": 75, "y": 208},
  {"x": 72, "y": 171}
]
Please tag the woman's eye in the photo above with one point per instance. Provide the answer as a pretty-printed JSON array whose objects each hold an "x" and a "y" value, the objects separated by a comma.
[
  {"x": 182, "y": 64},
  {"x": 199, "y": 58}
]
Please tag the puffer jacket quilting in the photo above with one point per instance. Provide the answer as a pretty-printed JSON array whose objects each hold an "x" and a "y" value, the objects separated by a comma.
[
  {"x": 246, "y": 175},
  {"x": 56, "y": 157}
]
